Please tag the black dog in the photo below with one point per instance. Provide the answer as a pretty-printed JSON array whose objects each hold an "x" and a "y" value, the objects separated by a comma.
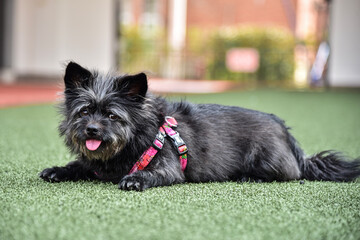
[{"x": 116, "y": 129}]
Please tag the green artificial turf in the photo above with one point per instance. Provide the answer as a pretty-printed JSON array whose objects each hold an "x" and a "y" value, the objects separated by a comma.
[{"x": 33, "y": 209}]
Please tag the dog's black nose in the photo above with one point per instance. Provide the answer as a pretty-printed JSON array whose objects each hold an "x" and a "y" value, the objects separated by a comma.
[{"x": 92, "y": 130}]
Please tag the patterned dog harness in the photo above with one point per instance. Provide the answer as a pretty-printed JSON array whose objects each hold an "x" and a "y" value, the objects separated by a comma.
[{"x": 166, "y": 130}]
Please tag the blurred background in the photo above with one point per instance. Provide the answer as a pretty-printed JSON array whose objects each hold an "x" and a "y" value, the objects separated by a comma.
[{"x": 183, "y": 45}]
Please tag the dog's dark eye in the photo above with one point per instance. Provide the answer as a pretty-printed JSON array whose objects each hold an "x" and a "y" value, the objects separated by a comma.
[
  {"x": 84, "y": 113},
  {"x": 113, "y": 117}
]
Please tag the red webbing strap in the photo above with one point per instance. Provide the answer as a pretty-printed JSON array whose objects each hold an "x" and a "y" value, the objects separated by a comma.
[
  {"x": 149, "y": 154},
  {"x": 144, "y": 160},
  {"x": 179, "y": 144}
]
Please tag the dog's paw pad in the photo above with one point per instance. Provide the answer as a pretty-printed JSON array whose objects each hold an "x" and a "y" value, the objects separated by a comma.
[{"x": 131, "y": 183}]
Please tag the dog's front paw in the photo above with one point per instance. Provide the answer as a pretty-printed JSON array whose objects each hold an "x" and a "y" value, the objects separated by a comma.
[
  {"x": 54, "y": 174},
  {"x": 132, "y": 183}
]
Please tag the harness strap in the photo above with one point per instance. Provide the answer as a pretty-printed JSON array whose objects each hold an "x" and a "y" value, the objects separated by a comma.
[{"x": 165, "y": 130}]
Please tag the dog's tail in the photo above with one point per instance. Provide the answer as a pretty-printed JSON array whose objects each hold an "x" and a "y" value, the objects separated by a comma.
[
  {"x": 330, "y": 166},
  {"x": 326, "y": 165}
]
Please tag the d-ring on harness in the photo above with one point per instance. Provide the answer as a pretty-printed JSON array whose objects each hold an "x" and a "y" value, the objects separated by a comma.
[{"x": 166, "y": 130}]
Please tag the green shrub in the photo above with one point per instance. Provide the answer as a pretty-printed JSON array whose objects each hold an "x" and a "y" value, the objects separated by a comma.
[
  {"x": 275, "y": 47},
  {"x": 141, "y": 49},
  {"x": 204, "y": 57}
]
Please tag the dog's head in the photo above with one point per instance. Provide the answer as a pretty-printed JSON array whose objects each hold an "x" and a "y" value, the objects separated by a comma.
[{"x": 101, "y": 111}]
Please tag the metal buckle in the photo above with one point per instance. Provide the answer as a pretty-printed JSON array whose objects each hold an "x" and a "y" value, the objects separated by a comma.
[
  {"x": 159, "y": 141},
  {"x": 177, "y": 140},
  {"x": 179, "y": 143}
]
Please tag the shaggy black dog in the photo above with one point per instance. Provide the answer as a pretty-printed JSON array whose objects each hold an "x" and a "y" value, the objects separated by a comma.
[{"x": 110, "y": 123}]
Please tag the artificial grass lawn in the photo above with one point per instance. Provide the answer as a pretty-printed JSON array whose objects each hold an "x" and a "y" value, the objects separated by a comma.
[{"x": 33, "y": 209}]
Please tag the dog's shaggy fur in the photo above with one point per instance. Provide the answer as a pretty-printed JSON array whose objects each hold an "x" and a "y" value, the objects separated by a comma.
[{"x": 225, "y": 143}]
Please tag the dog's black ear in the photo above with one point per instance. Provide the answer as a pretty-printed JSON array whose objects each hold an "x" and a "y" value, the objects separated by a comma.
[
  {"x": 76, "y": 75},
  {"x": 134, "y": 85}
]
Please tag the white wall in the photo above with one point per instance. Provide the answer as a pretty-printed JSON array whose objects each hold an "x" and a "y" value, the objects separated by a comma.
[
  {"x": 48, "y": 33},
  {"x": 344, "y": 65}
]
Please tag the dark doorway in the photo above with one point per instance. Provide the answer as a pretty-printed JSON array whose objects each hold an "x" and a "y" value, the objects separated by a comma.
[{"x": 6, "y": 7}]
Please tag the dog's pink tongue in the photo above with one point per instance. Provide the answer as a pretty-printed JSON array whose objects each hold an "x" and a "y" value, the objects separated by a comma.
[{"x": 92, "y": 144}]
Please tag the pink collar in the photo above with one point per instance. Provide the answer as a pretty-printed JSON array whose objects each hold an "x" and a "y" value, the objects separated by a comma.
[{"x": 165, "y": 130}]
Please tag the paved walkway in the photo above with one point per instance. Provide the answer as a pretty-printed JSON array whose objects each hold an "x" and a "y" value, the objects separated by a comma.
[
  {"x": 25, "y": 94},
  {"x": 37, "y": 93}
]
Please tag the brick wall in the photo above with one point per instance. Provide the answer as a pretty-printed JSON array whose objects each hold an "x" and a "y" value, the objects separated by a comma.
[{"x": 214, "y": 13}]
